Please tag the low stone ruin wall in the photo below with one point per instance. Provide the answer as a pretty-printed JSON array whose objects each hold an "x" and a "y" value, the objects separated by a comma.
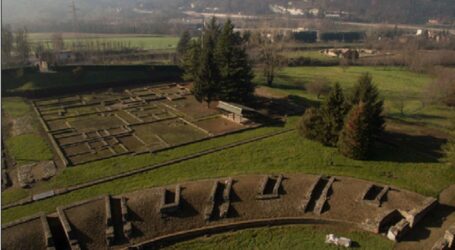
[
  {"x": 416, "y": 214},
  {"x": 321, "y": 203},
  {"x": 447, "y": 241},
  {"x": 74, "y": 244},
  {"x": 135, "y": 219},
  {"x": 262, "y": 195},
  {"x": 171, "y": 207}
]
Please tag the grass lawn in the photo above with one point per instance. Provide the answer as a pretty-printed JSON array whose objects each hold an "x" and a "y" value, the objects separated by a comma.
[
  {"x": 16, "y": 107},
  {"x": 25, "y": 144},
  {"x": 400, "y": 166},
  {"x": 283, "y": 237},
  {"x": 151, "y": 42},
  {"x": 28, "y": 148},
  {"x": 397, "y": 86}
]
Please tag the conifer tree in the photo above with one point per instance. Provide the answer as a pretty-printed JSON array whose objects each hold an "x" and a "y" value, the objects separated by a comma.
[
  {"x": 207, "y": 75},
  {"x": 365, "y": 91},
  {"x": 235, "y": 69},
  {"x": 191, "y": 61},
  {"x": 333, "y": 111},
  {"x": 183, "y": 46},
  {"x": 354, "y": 140}
]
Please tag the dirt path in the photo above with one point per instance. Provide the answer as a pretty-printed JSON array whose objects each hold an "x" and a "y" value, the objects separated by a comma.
[{"x": 434, "y": 225}]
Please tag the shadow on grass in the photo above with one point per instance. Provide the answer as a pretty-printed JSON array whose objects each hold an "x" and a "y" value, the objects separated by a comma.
[
  {"x": 400, "y": 117},
  {"x": 291, "y": 105},
  {"x": 399, "y": 147}
]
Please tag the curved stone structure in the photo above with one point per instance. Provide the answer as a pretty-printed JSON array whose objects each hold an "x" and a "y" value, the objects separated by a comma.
[{"x": 136, "y": 219}]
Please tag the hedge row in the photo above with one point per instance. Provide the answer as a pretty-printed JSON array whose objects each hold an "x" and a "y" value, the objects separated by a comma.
[{"x": 29, "y": 82}]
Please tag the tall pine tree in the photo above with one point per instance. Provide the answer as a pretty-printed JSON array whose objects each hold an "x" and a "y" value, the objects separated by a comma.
[
  {"x": 207, "y": 75},
  {"x": 354, "y": 141},
  {"x": 333, "y": 112},
  {"x": 365, "y": 91},
  {"x": 183, "y": 46},
  {"x": 235, "y": 69},
  {"x": 191, "y": 60}
]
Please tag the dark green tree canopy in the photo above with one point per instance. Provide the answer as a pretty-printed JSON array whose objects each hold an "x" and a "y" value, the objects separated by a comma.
[
  {"x": 219, "y": 65},
  {"x": 354, "y": 140},
  {"x": 365, "y": 91},
  {"x": 183, "y": 46},
  {"x": 235, "y": 69}
]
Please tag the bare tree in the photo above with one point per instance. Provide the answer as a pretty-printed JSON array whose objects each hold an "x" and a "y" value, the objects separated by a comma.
[
  {"x": 57, "y": 42},
  {"x": 22, "y": 46},
  {"x": 270, "y": 60},
  {"x": 320, "y": 86},
  {"x": 442, "y": 90},
  {"x": 7, "y": 44}
]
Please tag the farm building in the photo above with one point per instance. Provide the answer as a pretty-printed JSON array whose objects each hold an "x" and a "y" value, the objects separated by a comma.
[{"x": 236, "y": 112}]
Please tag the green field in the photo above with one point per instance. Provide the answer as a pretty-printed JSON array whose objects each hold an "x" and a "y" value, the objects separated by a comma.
[
  {"x": 25, "y": 144},
  {"x": 397, "y": 86},
  {"x": 405, "y": 167},
  {"x": 16, "y": 107},
  {"x": 149, "y": 42},
  {"x": 287, "y": 237},
  {"x": 28, "y": 148}
]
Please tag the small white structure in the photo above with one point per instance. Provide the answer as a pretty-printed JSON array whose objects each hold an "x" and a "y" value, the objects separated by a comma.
[
  {"x": 338, "y": 241},
  {"x": 235, "y": 112}
]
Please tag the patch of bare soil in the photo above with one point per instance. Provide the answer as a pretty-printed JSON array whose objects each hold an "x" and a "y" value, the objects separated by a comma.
[
  {"x": 23, "y": 236},
  {"x": 22, "y": 125}
]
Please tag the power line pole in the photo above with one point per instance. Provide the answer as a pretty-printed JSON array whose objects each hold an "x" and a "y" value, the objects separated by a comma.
[{"x": 76, "y": 27}]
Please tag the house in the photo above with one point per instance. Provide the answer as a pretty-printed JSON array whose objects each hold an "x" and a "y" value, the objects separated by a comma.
[
  {"x": 65, "y": 56},
  {"x": 236, "y": 112}
]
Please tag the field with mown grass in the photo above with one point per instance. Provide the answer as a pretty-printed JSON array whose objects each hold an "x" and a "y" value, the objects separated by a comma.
[
  {"x": 149, "y": 42},
  {"x": 283, "y": 237},
  {"x": 396, "y": 164},
  {"x": 397, "y": 86},
  {"x": 22, "y": 139},
  {"x": 28, "y": 148}
]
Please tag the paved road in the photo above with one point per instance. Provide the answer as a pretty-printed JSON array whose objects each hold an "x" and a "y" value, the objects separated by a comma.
[{"x": 400, "y": 26}]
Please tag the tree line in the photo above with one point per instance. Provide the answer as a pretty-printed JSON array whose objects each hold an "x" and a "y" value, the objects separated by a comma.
[{"x": 15, "y": 46}]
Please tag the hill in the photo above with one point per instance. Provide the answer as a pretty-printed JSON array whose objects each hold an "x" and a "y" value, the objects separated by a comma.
[{"x": 117, "y": 11}]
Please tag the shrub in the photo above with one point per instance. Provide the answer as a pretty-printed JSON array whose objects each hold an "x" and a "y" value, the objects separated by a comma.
[
  {"x": 310, "y": 124},
  {"x": 318, "y": 87}
]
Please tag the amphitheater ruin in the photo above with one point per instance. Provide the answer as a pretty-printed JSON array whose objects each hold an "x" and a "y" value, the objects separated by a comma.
[
  {"x": 91, "y": 127},
  {"x": 160, "y": 216}
]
